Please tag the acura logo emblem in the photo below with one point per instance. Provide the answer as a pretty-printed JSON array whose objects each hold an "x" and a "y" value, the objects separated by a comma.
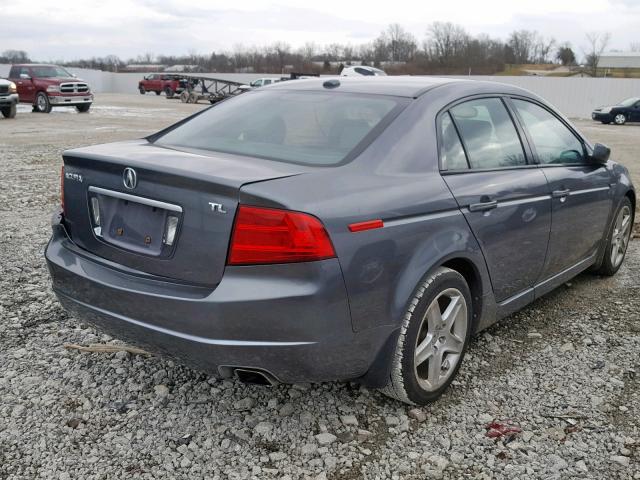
[{"x": 129, "y": 178}]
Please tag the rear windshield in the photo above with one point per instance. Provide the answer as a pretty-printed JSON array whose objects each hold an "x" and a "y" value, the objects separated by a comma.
[{"x": 309, "y": 128}]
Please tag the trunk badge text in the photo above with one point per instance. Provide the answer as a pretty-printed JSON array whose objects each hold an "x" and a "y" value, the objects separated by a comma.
[
  {"x": 217, "y": 207},
  {"x": 129, "y": 178},
  {"x": 73, "y": 176}
]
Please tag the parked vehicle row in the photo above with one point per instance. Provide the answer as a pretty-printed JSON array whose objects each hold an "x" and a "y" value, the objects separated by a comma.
[
  {"x": 49, "y": 86},
  {"x": 337, "y": 229},
  {"x": 8, "y": 98}
]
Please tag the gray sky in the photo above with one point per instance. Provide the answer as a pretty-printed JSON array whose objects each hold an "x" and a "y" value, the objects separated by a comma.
[{"x": 51, "y": 30}]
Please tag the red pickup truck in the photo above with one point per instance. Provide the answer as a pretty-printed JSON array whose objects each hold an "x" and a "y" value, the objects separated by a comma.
[
  {"x": 162, "y": 82},
  {"x": 48, "y": 86}
]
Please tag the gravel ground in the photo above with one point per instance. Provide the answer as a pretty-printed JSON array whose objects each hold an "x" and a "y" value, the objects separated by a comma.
[{"x": 564, "y": 372}]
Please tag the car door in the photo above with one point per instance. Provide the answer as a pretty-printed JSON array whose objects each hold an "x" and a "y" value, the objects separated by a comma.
[
  {"x": 580, "y": 190},
  {"x": 635, "y": 112},
  {"x": 503, "y": 197},
  {"x": 24, "y": 84}
]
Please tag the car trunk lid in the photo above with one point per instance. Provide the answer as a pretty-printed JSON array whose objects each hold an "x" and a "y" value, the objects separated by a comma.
[{"x": 121, "y": 201}]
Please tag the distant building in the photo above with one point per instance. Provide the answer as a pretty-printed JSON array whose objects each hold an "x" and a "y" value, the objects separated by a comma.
[
  {"x": 182, "y": 68},
  {"x": 139, "y": 67},
  {"x": 619, "y": 60}
]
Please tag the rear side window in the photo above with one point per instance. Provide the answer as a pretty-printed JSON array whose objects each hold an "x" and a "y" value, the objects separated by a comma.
[
  {"x": 553, "y": 141},
  {"x": 309, "y": 128},
  {"x": 451, "y": 152},
  {"x": 488, "y": 133}
]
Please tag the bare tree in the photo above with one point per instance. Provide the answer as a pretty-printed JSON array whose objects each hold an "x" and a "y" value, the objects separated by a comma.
[
  {"x": 634, "y": 46},
  {"x": 596, "y": 44},
  {"x": 542, "y": 49},
  {"x": 308, "y": 51},
  {"x": 401, "y": 45},
  {"x": 333, "y": 51},
  {"x": 522, "y": 46},
  {"x": 14, "y": 56},
  {"x": 446, "y": 42}
]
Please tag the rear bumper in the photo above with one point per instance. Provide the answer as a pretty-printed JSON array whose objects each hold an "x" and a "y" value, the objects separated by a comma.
[
  {"x": 291, "y": 321},
  {"x": 8, "y": 100},
  {"x": 70, "y": 100}
]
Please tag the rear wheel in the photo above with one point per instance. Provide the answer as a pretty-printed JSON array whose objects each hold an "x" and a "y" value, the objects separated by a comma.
[
  {"x": 617, "y": 240},
  {"x": 42, "y": 104},
  {"x": 433, "y": 338},
  {"x": 10, "y": 111},
  {"x": 142, "y": 90},
  {"x": 620, "y": 119},
  {"x": 83, "y": 108},
  {"x": 184, "y": 97},
  {"x": 169, "y": 92}
]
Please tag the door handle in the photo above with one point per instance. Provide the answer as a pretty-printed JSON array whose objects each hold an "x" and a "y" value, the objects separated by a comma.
[
  {"x": 483, "y": 206},
  {"x": 560, "y": 193}
]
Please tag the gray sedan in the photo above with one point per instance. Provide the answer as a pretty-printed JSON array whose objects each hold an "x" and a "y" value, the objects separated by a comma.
[{"x": 343, "y": 229}]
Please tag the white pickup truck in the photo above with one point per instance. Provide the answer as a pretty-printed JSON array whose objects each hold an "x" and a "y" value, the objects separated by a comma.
[{"x": 8, "y": 98}]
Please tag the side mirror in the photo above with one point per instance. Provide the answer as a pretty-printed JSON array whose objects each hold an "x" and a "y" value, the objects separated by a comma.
[
  {"x": 24, "y": 76},
  {"x": 601, "y": 153}
]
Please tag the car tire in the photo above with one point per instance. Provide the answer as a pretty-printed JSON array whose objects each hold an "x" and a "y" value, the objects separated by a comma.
[
  {"x": 169, "y": 92},
  {"x": 10, "y": 111},
  {"x": 620, "y": 119},
  {"x": 434, "y": 335},
  {"x": 184, "y": 97},
  {"x": 42, "y": 104},
  {"x": 617, "y": 239},
  {"x": 84, "y": 108},
  {"x": 142, "y": 90}
]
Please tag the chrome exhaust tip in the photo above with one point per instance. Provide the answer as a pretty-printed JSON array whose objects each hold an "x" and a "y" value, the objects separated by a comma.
[{"x": 255, "y": 377}]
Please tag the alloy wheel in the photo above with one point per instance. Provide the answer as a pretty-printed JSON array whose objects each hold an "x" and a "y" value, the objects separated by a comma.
[
  {"x": 42, "y": 103},
  {"x": 440, "y": 339},
  {"x": 620, "y": 119},
  {"x": 620, "y": 236}
]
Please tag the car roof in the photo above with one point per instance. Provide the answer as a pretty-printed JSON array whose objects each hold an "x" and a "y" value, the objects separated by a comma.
[{"x": 400, "y": 86}]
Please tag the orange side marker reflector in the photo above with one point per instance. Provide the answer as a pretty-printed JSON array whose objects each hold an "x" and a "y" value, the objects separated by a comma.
[{"x": 368, "y": 225}]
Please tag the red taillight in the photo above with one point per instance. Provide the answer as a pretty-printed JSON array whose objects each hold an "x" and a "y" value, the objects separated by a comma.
[
  {"x": 269, "y": 235},
  {"x": 62, "y": 188}
]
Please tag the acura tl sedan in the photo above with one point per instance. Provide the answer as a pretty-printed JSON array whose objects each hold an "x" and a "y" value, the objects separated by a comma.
[{"x": 344, "y": 229}]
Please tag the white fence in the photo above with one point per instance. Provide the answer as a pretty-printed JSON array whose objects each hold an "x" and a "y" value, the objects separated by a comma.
[{"x": 575, "y": 97}]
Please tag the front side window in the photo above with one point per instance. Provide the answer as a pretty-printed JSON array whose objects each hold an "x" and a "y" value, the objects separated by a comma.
[
  {"x": 451, "y": 153},
  {"x": 308, "y": 128},
  {"x": 553, "y": 141},
  {"x": 488, "y": 133}
]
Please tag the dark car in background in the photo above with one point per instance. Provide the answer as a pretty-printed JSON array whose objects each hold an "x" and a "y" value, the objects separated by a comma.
[
  {"x": 343, "y": 229},
  {"x": 627, "y": 110},
  {"x": 8, "y": 98}
]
